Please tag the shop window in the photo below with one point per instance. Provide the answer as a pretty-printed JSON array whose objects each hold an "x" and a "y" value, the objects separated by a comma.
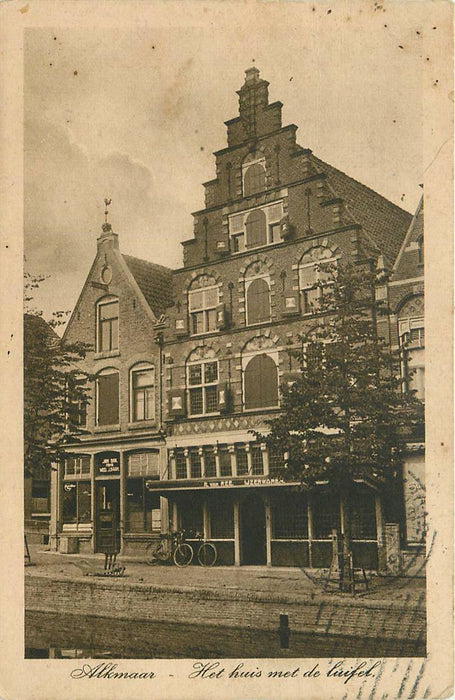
[
  {"x": 180, "y": 465},
  {"x": 363, "y": 515},
  {"x": 143, "y": 393},
  {"x": 257, "y": 227},
  {"x": 222, "y": 520},
  {"x": 77, "y": 500},
  {"x": 191, "y": 516},
  {"x": 108, "y": 325},
  {"x": 254, "y": 179},
  {"x": 195, "y": 464},
  {"x": 290, "y": 516},
  {"x": 241, "y": 460},
  {"x": 258, "y": 301},
  {"x": 209, "y": 462},
  {"x": 143, "y": 512},
  {"x": 315, "y": 276},
  {"x": 202, "y": 380},
  {"x": 261, "y": 382},
  {"x": 107, "y": 397},
  {"x": 257, "y": 460},
  {"x": 202, "y": 304},
  {"x": 326, "y": 515},
  {"x": 225, "y": 462},
  {"x": 77, "y": 466}
]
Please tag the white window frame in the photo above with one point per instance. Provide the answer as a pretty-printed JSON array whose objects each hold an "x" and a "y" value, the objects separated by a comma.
[
  {"x": 99, "y": 304},
  {"x": 142, "y": 367},
  {"x": 203, "y": 385},
  {"x": 271, "y": 221},
  {"x": 204, "y": 309}
]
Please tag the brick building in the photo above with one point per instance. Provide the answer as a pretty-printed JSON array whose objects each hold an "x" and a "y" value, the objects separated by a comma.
[{"x": 188, "y": 362}]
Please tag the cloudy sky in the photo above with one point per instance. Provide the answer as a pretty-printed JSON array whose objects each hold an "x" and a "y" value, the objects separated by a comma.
[{"x": 135, "y": 114}]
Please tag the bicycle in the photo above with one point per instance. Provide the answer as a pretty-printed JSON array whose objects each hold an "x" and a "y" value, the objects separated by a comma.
[
  {"x": 207, "y": 553},
  {"x": 171, "y": 546}
]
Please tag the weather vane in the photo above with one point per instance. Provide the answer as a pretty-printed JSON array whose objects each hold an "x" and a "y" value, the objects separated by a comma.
[{"x": 106, "y": 226}]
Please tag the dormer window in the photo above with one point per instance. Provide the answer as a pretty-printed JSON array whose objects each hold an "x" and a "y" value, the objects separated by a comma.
[
  {"x": 108, "y": 325},
  {"x": 256, "y": 227}
]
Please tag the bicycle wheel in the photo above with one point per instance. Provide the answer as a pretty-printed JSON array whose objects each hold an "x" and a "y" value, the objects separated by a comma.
[
  {"x": 155, "y": 553},
  {"x": 183, "y": 554},
  {"x": 207, "y": 554}
]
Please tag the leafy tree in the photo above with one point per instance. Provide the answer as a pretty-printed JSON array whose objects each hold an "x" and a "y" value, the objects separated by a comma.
[
  {"x": 55, "y": 389},
  {"x": 344, "y": 416}
]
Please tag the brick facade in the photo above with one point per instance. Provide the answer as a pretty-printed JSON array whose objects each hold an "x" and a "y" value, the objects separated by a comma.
[{"x": 272, "y": 207}]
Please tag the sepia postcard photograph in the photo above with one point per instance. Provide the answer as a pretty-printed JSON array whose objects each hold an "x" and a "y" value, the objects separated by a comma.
[{"x": 227, "y": 272}]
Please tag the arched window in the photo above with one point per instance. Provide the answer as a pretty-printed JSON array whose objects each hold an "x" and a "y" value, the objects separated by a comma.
[
  {"x": 254, "y": 179},
  {"x": 202, "y": 302},
  {"x": 258, "y": 301},
  {"x": 107, "y": 325},
  {"x": 313, "y": 277},
  {"x": 143, "y": 392},
  {"x": 256, "y": 229},
  {"x": 261, "y": 382},
  {"x": 107, "y": 397}
]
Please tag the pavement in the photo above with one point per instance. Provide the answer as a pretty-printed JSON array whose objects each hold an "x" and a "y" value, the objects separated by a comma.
[{"x": 291, "y": 581}]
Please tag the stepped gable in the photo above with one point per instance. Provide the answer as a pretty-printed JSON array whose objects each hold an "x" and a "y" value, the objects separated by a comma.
[
  {"x": 384, "y": 223},
  {"x": 154, "y": 281}
]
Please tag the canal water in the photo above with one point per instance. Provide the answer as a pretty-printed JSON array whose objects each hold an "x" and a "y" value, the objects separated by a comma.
[{"x": 64, "y": 636}]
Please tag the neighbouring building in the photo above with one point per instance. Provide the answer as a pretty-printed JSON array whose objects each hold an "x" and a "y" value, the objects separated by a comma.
[{"x": 189, "y": 362}]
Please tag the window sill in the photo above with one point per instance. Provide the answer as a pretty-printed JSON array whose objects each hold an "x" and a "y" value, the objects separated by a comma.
[
  {"x": 106, "y": 355},
  {"x": 107, "y": 428},
  {"x": 141, "y": 425}
]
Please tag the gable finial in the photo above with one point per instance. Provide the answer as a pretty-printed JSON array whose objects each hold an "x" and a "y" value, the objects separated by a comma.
[{"x": 107, "y": 228}]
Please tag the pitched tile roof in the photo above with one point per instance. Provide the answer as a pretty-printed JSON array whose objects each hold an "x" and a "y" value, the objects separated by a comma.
[
  {"x": 414, "y": 233},
  {"x": 154, "y": 281},
  {"x": 36, "y": 325},
  {"x": 384, "y": 223}
]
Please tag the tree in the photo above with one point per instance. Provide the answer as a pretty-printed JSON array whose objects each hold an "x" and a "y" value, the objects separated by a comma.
[
  {"x": 55, "y": 390},
  {"x": 345, "y": 412}
]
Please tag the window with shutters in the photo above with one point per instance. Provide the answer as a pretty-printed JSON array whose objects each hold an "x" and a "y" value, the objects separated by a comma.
[
  {"x": 261, "y": 382},
  {"x": 107, "y": 397},
  {"x": 143, "y": 393},
  {"x": 257, "y": 301},
  {"x": 314, "y": 276},
  {"x": 254, "y": 179},
  {"x": 202, "y": 383},
  {"x": 256, "y": 227},
  {"x": 108, "y": 325},
  {"x": 202, "y": 303}
]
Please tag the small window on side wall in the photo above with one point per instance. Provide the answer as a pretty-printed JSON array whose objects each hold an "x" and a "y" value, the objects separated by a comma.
[
  {"x": 107, "y": 397},
  {"x": 108, "y": 325},
  {"x": 143, "y": 393}
]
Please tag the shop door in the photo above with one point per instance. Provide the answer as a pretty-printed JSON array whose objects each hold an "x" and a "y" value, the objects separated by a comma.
[
  {"x": 107, "y": 516},
  {"x": 252, "y": 533}
]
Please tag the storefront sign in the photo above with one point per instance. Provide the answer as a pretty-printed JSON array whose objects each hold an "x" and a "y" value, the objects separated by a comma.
[
  {"x": 108, "y": 464},
  {"x": 216, "y": 483}
]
